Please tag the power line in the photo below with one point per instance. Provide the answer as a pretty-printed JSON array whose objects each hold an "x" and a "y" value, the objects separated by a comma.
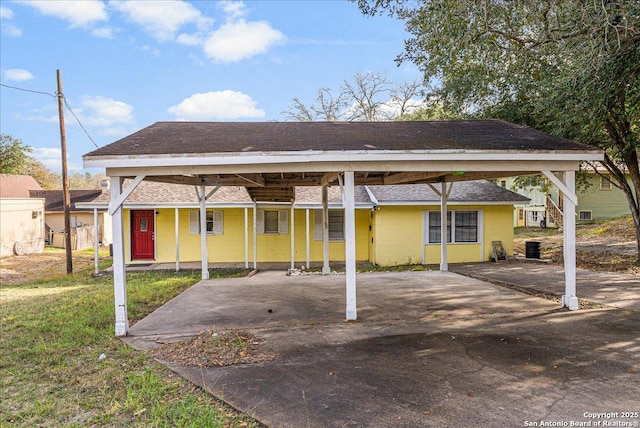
[
  {"x": 78, "y": 120},
  {"x": 27, "y": 90},
  {"x": 66, "y": 103}
]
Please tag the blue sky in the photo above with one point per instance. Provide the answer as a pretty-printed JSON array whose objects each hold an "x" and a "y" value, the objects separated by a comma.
[{"x": 126, "y": 65}]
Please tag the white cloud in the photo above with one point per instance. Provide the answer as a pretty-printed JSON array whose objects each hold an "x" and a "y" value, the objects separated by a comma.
[
  {"x": 154, "y": 51},
  {"x": 53, "y": 118},
  {"x": 104, "y": 32},
  {"x": 5, "y": 13},
  {"x": 50, "y": 157},
  {"x": 235, "y": 41},
  {"x": 8, "y": 28},
  {"x": 233, "y": 9},
  {"x": 79, "y": 13},
  {"x": 195, "y": 39},
  {"x": 162, "y": 19},
  {"x": 17, "y": 74},
  {"x": 217, "y": 105},
  {"x": 104, "y": 112}
]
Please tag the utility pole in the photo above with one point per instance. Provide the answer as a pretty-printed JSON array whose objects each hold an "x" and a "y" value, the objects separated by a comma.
[{"x": 65, "y": 176}]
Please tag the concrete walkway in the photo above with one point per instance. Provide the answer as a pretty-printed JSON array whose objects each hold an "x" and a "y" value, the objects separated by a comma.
[
  {"x": 610, "y": 289},
  {"x": 428, "y": 349}
]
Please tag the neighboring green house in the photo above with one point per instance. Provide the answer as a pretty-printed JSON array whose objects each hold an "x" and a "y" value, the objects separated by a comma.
[
  {"x": 395, "y": 224},
  {"x": 599, "y": 200}
]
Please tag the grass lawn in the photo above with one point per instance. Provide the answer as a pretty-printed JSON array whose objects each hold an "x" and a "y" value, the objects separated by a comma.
[{"x": 53, "y": 334}]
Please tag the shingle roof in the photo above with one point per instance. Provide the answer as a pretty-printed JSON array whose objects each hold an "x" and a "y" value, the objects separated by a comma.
[
  {"x": 17, "y": 186},
  {"x": 313, "y": 195},
  {"x": 149, "y": 192},
  {"x": 463, "y": 191},
  {"x": 53, "y": 199},
  {"x": 153, "y": 193},
  {"x": 182, "y": 138}
]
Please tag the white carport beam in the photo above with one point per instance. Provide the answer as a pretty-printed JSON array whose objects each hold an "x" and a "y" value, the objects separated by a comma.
[
  {"x": 119, "y": 275},
  {"x": 117, "y": 202},
  {"x": 566, "y": 190},
  {"x": 569, "y": 299},
  {"x": 350, "y": 243}
]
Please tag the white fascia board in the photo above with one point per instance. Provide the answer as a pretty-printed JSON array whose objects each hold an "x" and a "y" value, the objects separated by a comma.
[
  {"x": 191, "y": 205},
  {"x": 91, "y": 206},
  {"x": 258, "y": 158},
  {"x": 449, "y": 202},
  {"x": 332, "y": 205}
]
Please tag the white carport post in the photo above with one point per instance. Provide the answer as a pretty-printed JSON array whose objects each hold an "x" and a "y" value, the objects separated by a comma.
[
  {"x": 444, "y": 195},
  {"x": 246, "y": 238},
  {"x": 326, "y": 270},
  {"x": 293, "y": 237},
  {"x": 307, "y": 243},
  {"x": 96, "y": 240},
  {"x": 177, "y": 227},
  {"x": 203, "y": 233},
  {"x": 568, "y": 188},
  {"x": 350, "y": 243},
  {"x": 119, "y": 275},
  {"x": 255, "y": 235}
]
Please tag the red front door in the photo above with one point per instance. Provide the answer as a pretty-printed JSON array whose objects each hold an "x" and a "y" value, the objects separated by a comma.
[{"x": 142, "y": 234}]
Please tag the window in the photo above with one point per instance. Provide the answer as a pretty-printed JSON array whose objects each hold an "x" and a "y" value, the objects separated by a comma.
[
  {"x": 585, "y": 215},
  {"x": 214, "y": 223},
  {"x": 503, "y": 183},
  {"x": 535, "y": 216},
  {"x": 336, "y": 225},
  {"x": 272, "y": 222},
  {"x": 435, "y": 227},
  {"x": 605, "y": 183},
  {"x": 466, "y": 226},
  {"x": 463, "y": 228}
]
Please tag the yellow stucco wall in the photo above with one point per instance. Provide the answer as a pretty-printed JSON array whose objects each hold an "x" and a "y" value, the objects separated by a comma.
[
  {"x": 230, "y": 246},
  {"x": 399, "y": 235}
]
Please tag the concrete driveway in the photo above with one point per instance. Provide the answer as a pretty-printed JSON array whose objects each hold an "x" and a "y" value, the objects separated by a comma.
[{"x": 428, "y": 349}]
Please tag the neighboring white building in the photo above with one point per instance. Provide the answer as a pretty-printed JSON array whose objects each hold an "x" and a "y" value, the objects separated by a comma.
[{"x": 22, "y": 227}]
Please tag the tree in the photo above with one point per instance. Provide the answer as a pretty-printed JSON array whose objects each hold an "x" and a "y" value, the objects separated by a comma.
[
  {"x": 47, "y": 179},
  {"x": 571, "y": 68},
  {"x": 13, "y": 154},
  {"x": 368, "y": 96}
]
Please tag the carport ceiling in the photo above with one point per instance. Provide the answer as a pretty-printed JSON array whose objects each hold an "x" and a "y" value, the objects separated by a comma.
[{"x": 271, "y": 158}]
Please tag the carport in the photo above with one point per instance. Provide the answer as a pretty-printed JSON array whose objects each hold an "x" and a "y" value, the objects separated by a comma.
[{"x": 271, "y": 158}]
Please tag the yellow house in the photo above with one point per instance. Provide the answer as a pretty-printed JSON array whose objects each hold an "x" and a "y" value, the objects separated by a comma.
[{"x": 394, "y": 224}]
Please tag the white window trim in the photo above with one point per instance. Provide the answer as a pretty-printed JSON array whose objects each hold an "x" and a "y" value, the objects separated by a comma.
[
  {"x": 604, "y": 180},
  {"x": 479, "y": 228},
  {"x": 217, "y": 219},
  {"x": 585, "y": 211}
]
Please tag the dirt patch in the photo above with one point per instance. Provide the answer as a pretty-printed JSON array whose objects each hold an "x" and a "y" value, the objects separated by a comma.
[
  {"x": 214, "y": 349},
  {"x": 17, "y": 270},
  {"x": 606, "y": 246}
]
